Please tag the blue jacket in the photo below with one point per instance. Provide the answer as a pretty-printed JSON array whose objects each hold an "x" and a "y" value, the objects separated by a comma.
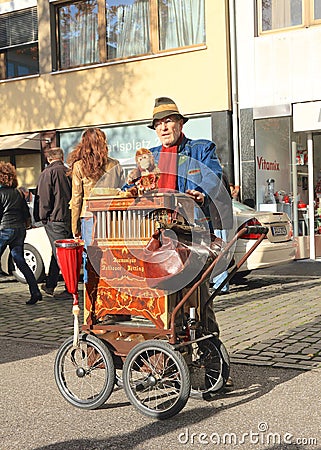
[{"x": 198, "y": 168}]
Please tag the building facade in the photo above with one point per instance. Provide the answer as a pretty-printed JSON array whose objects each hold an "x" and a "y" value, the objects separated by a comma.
[
  {"x": 279, "y": 108},
  {"x": 73, "y": 64},
  {"x": 243, "y": 71}
]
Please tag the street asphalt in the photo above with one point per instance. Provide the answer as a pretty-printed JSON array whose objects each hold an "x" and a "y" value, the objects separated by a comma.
[{"x": 271, "y": 325}]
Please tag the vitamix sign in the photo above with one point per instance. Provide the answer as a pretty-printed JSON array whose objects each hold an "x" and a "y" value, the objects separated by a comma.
[{"x": 263, "y": 164}]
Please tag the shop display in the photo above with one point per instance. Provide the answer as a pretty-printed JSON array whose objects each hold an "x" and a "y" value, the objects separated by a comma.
[{"x": 269, "y": 197}]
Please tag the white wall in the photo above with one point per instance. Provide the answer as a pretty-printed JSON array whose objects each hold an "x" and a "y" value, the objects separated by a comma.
[
  {"x": 245, "y": 52},
  {"x": 279, "y": 68}
]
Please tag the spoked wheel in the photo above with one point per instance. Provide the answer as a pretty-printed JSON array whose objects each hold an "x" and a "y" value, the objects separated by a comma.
[
  {"x": 156, "y": 379},
  {"x": 210, "y": 367},
  {"x": 85, "y": 375}
]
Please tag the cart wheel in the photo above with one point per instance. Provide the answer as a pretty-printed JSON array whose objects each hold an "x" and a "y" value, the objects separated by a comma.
[
  {"x": 210, "y": 367},
  {"x": 156, "y": 379},
  {"x": 85, "y": 375}
]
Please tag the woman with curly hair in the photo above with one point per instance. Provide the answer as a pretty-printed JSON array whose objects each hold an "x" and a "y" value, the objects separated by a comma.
[
  {"x": 90, "y": 166},
  {"x": 14, "y": 214}
]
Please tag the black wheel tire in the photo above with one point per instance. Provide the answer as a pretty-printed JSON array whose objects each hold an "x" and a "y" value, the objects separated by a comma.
[
  {"x": 34, "y": 261},
  {"x": 85, "y": 376},
  {"x": 156, "y": 379},
  {"x": 210, "y": 372}
]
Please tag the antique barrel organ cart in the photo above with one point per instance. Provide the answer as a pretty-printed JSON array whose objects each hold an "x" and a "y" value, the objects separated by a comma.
[{"x": 145, "y": 316}]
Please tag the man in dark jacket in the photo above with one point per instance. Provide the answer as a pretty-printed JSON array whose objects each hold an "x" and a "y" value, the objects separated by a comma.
[{"x": 52, "y": 208}]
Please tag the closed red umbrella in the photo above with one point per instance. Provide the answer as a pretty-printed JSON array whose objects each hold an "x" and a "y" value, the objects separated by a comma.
[{"x": 69, "y": 256}]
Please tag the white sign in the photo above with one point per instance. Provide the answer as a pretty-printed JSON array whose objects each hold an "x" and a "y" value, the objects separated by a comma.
[{"x": 307, "y": 116}]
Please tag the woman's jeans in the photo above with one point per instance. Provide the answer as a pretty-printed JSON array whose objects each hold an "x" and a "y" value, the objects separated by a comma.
[
  {"x": 14, "y": 238},
  {"x": 87, "y": 224},
  {"x": 220, "y": 277}
]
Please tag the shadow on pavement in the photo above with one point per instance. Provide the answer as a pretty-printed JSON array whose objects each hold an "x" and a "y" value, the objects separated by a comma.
[
  {"x": 13, "y": 350},
  {"x": 250, "y": 383}
]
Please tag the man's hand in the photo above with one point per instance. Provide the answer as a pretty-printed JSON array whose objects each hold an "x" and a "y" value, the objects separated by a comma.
[{"x": 197, "y": 196}]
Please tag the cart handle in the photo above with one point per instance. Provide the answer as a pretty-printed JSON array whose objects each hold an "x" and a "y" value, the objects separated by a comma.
[{"x": 256, "y": 229}]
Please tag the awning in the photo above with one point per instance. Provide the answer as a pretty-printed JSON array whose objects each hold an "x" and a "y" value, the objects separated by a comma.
[{"x": 21, "y": 142}]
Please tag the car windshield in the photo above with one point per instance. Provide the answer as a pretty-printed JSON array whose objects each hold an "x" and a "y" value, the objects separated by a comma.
[{"x": 240, "y": 207}]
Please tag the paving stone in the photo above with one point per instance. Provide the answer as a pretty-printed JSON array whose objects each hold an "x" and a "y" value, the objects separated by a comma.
[
  {"x": 294, "y": 348},
  {"x": 286, "y": 359},
  {"x": 261, "y": 362},
  {"x": 260, "y": 346},
  {"x": 272, "y": 354},
  {"x": 312, "y": 339},
  {"x": 299, "y": 357},
  {"x": 284, "y": 365},
  {"x": 311, "y": 350},
  {"x": 279, "y": 345}
]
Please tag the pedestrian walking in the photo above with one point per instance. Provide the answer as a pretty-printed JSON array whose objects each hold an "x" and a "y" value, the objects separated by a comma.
[
  {"x": 14, "y": 218},
  {"x": 52, "y": 208}
]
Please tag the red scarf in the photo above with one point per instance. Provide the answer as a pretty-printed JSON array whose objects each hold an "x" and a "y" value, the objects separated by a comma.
[{"x": 167, "y": 165}]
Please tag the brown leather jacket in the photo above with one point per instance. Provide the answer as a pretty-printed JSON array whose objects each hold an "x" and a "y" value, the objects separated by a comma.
[{"x": 82, "y": 187}]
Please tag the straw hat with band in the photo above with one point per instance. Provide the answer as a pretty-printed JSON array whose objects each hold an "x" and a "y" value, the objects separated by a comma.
[{"x": 164, "y": 107}]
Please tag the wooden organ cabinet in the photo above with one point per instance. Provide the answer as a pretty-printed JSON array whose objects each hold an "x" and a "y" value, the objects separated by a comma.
[{"x": 116, "y": 282}]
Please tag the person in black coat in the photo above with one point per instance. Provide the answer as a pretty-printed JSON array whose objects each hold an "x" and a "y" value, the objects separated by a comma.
[{"x": 14, "y": 217}]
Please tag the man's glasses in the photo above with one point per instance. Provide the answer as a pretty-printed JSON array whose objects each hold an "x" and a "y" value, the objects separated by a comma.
[{"x": 166, "y": 121}]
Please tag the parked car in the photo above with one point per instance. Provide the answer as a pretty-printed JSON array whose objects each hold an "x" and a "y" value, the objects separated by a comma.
[
  {"x": 279, "y": 246},
  {"x": 37, "y": 252}
]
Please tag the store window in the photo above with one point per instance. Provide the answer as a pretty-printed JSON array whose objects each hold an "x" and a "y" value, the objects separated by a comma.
[
  {"x": 96, "y": 31},
  {"x": 273, "y": 156},
  {"x": 19, "y": 43},
  {"x": 275, "y": 15}
]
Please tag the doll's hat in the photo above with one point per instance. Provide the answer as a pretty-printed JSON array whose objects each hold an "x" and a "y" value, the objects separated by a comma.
[{"x": 164, "y": 107}]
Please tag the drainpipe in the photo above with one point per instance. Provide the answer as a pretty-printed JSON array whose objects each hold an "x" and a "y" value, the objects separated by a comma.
[
  {"x": 295, "y": 191},
  {"x": 234, "y": 91}
]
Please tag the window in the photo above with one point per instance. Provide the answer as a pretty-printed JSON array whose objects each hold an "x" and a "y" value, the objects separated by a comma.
[
  {"x": 19, "y": 43},
  {"x": 95, "y": 31},
  {"x": 317, "y": 10},
  {"x": 276, "y": 15},
  {"x": 78, "y": 33}
]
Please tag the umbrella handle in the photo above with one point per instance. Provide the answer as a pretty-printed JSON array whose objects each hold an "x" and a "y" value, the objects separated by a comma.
[
  {"x": 75, "y": 299},
  {"x": 76, "y": 311}
]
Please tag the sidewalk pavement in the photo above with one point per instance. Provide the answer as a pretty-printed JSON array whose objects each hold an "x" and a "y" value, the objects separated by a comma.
[{"x": 270, "y": 318}]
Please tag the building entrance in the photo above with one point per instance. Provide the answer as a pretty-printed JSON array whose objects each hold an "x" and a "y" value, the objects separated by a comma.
[{"x": 306, "y": 181}]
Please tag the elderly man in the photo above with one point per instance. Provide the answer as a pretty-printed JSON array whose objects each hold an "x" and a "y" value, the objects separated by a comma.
[{"x": 189, "y": 166}]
